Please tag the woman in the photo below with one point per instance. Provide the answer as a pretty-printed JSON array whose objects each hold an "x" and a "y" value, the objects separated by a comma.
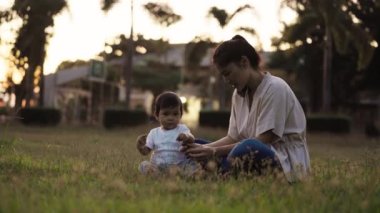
[{"x": 267, "y": 123}]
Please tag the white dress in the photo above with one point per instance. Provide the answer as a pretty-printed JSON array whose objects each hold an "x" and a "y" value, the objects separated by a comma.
[
  {"x": 165, "y": 145},
  {"x": 276, "y": 108}
]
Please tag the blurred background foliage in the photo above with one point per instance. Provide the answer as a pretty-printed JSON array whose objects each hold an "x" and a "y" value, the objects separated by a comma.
[
  {"x": 339, "y": 38},
  {"x": 331, "y": 49}
]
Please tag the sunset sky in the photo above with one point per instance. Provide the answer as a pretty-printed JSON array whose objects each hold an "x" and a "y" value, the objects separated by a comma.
[{"x": 81, "y": 31}]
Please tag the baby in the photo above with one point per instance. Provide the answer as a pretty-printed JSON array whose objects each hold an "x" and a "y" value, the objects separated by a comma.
[{"x": 165, "y": 141}]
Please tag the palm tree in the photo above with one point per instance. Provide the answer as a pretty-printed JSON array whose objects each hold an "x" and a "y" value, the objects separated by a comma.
[
  {"x": 339, "y": 30},
  {"x": 29, "y": 49},
  {"x": 5, "y": 16},
  {"x": 224, "y": 19},
  {"x": 368, "y": 12},
  {"x": 163, "y": 15}
]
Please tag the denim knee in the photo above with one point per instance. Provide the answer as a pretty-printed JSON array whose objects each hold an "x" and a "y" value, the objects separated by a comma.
[
  {"x": 249, "y": 147},
  {"x": 252, "y": 154}
]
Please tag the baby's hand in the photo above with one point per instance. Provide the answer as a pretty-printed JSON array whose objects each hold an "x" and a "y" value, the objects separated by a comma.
[
  {"x": 185, "y": 139},
  {"x": 140, "y": 144},
  {"x": 141, "y": 140}
]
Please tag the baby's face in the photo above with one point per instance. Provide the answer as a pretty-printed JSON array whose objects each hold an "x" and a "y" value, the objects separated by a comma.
[{"x": 169, "y": 118}]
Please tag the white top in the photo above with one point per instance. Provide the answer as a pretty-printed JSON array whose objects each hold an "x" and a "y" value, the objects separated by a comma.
[
  {"x": 274, "y": 107},
  {"x": 165, "y": 145}
]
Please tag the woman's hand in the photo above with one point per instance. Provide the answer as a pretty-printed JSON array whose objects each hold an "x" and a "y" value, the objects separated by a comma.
[{"x": 198, "y": 151}]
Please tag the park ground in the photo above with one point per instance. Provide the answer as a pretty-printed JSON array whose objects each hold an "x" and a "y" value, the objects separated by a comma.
[{"x": 90, "y": 169}]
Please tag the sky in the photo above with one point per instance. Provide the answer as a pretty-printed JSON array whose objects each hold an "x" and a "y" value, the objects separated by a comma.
[{"x": 81, "y": 31}]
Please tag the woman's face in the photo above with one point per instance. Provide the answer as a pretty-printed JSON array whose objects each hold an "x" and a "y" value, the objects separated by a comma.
[
  {"x": 235, "y": 75},
  {"x": 169, "y": 118}
]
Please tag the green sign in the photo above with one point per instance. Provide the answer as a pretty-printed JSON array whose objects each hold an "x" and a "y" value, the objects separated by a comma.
[{"x": 98, "y": 70}]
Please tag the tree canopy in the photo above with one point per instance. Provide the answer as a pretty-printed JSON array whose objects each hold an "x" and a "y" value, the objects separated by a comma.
[
  {"x": 29, "y": 48},
  {"x": 331, "y": 29}
]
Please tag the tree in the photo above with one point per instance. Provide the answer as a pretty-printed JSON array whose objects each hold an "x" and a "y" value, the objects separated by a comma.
[
  {"x": 195, "y": 51},
  {"x": 157, "y": 77},
  {"x": 70, "y": 64},
  {"x": 150, "y": 74},
  {"x": 107, "y": 4},
  {"x": 118, "y": 47},
  {"x": 331, "y": 20},
  {"x": 194, "y": 72},
  {"x": 223, "y": 19},
  {"x": 163, "y": 15},
  {"x": 29, "y": 49},
  {"x": 368, "y": 12},
  {"x": 5, "y": 16}
]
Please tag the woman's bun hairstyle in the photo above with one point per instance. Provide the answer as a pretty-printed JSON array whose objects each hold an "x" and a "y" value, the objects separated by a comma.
[
  {"x": 238, "y": 37},
  {"x": 232, "y": 51}
]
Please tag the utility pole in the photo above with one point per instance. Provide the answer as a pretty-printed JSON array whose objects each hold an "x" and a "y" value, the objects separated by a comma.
[{"x": 129, "y": 63}]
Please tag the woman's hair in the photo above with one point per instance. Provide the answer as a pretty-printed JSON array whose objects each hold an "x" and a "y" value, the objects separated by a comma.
[
  {"x": 167, "y": 100},
  {"x": 232, "y": 50}
]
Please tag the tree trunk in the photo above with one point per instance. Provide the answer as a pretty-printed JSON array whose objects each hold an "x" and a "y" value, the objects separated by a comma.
[
  {"x": 29, "y": 87},
  {"x": 42, "y": 87},
  {"x": 19, "y": 90},
  {"x": 327, "y": 61},
  {"x": 221, "y": 92}
]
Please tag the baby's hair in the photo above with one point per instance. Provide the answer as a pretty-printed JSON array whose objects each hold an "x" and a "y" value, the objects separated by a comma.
[
  {"x": 167, "y": 100},
  {"x": 232, "y": 50}
]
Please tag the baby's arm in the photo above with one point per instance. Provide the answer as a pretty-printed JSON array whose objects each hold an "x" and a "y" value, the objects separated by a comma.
[{"x": 141, "y": 141}]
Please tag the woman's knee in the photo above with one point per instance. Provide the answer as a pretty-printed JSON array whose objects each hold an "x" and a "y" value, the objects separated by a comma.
[
  {"x": 251, "y": 155},
  {"x": 246, "y": 147}
]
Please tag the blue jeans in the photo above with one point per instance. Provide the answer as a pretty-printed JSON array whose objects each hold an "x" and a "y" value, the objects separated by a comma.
[{"x": 249, "y": 155}]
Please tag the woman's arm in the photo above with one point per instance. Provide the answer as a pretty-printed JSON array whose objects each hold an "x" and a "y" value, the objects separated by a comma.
[
  {"x": 223, "y": 146},
  {"x": 222, "y": 142},
  {"x": 218, "y": 148}
]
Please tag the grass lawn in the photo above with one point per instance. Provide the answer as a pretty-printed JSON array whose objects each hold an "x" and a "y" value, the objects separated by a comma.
[{"x": 83, "y": 169}]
